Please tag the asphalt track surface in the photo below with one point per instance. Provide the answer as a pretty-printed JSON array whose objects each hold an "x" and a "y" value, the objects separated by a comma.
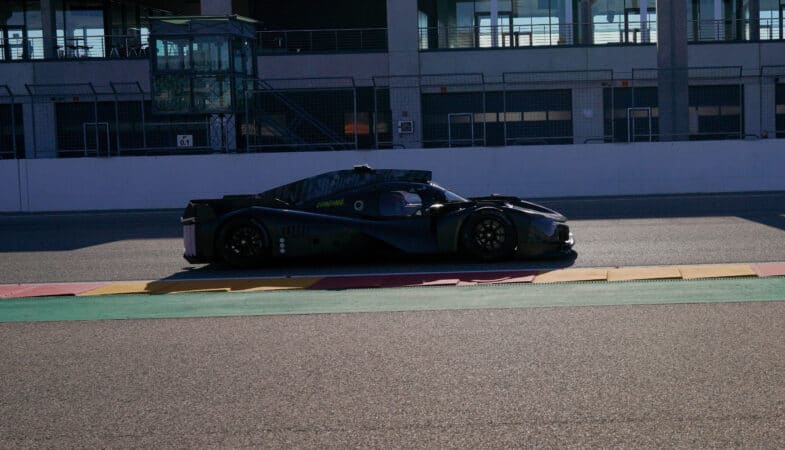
[
  {"x": 633, "y": 370},
  {"x": 694, "y": 375}
]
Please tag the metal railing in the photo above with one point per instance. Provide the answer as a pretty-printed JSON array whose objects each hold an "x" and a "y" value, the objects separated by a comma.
[
  {"x": 536, "y": 35},
  {"x": 74, "y": 47},
  {"x": 725, "y": 30},
  {"x": 618, "y": 31},
  {"x": 323, "y": 40}
]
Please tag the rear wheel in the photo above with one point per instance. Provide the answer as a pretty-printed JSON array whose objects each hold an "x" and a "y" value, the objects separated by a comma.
[
  {"x": 243, "y": 243},
  {"x": 488, "y": 235}
]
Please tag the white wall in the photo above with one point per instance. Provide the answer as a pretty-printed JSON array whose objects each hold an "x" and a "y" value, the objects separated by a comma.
[
  {"x": 9, "y": 186},
  {"x": 547, "y": 171}
]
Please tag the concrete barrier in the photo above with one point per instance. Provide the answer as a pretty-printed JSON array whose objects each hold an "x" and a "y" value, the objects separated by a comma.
[
  {"x": 527, "y": 171},
  {"x": 10, "y": 189}
]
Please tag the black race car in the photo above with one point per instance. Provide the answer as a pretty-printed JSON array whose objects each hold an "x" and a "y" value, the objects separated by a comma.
[{"x": 364, "y": 212}]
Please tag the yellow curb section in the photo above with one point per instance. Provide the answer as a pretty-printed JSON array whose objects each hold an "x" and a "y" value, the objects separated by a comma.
[
  {"x": 179, "y": 287},
  {"x": 569, "y": 275},
  {"x": 643, "y": 273},
  {"x": 717, "y": 271},
  {"x": 131, "y": 287}
]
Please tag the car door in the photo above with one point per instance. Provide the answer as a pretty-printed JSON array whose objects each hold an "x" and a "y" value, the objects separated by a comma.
[{"x": 401, "y": 219}]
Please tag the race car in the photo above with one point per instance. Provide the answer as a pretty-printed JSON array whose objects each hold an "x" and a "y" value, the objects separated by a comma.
[{"x": 366, "y": 212}]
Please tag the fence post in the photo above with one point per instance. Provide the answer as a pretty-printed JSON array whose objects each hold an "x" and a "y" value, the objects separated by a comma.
[
  {"x": 354, "y": 106},
  {"x": 116, "y": 121}
]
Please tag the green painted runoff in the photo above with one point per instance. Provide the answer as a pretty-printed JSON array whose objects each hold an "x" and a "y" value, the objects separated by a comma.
[{"x": 398, "y": 299}]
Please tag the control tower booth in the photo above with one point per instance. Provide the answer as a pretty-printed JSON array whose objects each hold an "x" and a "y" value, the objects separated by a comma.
[{"x": 201, "y": 65}]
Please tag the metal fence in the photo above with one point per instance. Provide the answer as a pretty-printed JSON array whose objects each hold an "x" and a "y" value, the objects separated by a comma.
[
  {"x": 297, "y": 114},
  {"x": 72, "y": 120},
  {"x": 772, "y": 98},
  {"x": 19, "y": 48},
  {"x": 323, "y": 40},
  {"x": 448, "y": 110},
  {"x": 535, "y": 33}
]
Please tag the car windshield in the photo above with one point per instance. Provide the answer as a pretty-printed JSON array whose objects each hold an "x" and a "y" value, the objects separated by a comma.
[{"x": 451, "y": 197}]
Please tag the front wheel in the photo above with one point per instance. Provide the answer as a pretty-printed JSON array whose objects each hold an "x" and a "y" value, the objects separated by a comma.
[
  {"x": 488, "y": 235},
  {"x": 242, "y": 243}
]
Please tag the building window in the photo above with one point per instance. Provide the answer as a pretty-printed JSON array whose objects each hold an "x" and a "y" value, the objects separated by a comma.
[
  {"x": 474, "y": 118},
  {"x": 545, "y": 117},
  {"x": 20, "y": 30},
  {"x": 715, "y": 112},
  {"x": 107, "y": 128},
  {"x": 631, "y": 114},
  {"x": 779, "y": 112},
  {"x": 12, "y": 142}
]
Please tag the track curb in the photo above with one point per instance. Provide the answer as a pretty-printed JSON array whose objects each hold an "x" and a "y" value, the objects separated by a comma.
[{"x": 473, "y": 278}]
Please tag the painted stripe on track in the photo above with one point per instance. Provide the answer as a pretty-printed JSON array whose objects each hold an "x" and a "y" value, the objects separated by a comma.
[
  {"x": 47, "y": 289},
  {"x": 249, "y": 284},
  {"x": 769, "y": 269},
  {"x": 643, "y": 273},
  {"x": 572, "y": 275},
  {"x": 716, "y": 271}
]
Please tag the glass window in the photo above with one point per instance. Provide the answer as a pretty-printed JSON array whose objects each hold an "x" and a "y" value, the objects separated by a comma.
[
  {"x": 12, "y": 13},
  {"x": 173, "y": 54},
  {"x": 212, "y": 94},
  {"x": 771, "y": 19},
  {"x": 243, "y": 56},
  {"x": 399, "y": 204},
  {"x": 779, "y": 110},
  {"x": 211, "y": 54},
  {"x": 84, "y": 28},
  {"x": 624, "y": 21},
  {"x": 172, "y": 93},
  {"x": 715, "y": 112},
  {"x": 11, "y": 131},
  {"x": 630, "y": 114}
]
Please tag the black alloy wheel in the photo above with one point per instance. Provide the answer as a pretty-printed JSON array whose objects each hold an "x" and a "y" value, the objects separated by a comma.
[
  {"x": 242, "y": 243},
  {"x": 489, "y": 236}
]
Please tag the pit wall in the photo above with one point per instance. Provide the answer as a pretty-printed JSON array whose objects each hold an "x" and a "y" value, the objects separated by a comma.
[{"x": 38, "y": 185}]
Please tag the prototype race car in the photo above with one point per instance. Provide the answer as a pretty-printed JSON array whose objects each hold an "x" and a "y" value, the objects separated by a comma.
[{"x": 364, "y": 212}]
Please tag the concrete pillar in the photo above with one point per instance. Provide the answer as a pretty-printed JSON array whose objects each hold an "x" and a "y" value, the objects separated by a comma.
[
  {"x": 673, "y": 76},
  {"x": 566, "y": 23},
  {"x": 644, "y": 13},
  {"x": 587, "y": 25},
  {"x": 718, "y": 25},
  {"x": 216, "y": 7},
  {"x": 767, "y": 107},
  {"x": 754, "y": 6},
  {"x": 753, "y": 123},
  {"x": 49, "y": 26},
  {"x": 495, "y": 23},
  {"x": 587, "y": 110},
  {"x": 404, "y": 61}
]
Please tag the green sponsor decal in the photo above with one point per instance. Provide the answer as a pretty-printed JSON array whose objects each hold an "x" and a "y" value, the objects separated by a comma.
[{"x": 330, "y": 203}]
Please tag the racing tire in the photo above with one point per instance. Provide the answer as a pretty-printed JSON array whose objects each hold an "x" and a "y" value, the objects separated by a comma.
[
  {"x": 243, "y": 243},
  {"x": 488, "y": 235}
]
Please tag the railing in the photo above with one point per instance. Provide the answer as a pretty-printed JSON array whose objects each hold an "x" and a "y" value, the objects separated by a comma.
[
  {"x": 323, "y": 41},
  {"x": 536, "y": 35},
  {"x": 619, "y": 31},
  {"x": 768, "y": 29},
  {"x": 74, "y": 47}
]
